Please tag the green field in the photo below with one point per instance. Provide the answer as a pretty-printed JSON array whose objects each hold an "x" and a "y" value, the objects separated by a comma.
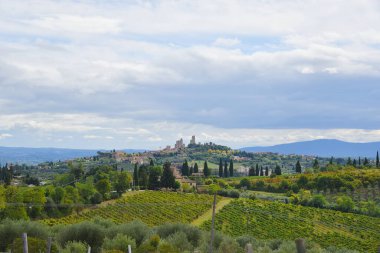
[
  {"x": 151, "y": 207},
  {"x": 265, "y": 219}
]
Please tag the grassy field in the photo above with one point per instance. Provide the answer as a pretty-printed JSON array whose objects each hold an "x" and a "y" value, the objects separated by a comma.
[
  {"x": 266, "y": 219},
  {"x": 151, "y": 207}
]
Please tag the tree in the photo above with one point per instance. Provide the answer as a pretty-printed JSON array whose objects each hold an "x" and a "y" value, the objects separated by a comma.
[
  {"x": 185, "y": 169},
  {"x": 167, "y": 179},
  {"x": 151, "y": 163},
  {"x": 298, "y": 167},
  {"x": 103, "y": 186},
  {"x": 349, "y": 161},
  {"x": 76, "y": 171},
  {"x": 266, "y": 171},
  {"x": 354, "y": 163},
  {"x": 261, "y": 171},
  {"x": 316, "y": 164},
  {"x": 277, "y": 170},
  {"x": 225, "y": 169},
  {"x": 143, "y": 176},
  {"x": 377, "y": 160},
  {"x": 231, "y": 168},
  {"x": 154, "y": 175},
  {"x": 122, "y": 182},
  {"x": 366, "y": 162},
  {"x": 331, "y": 160},
  {"x": 206, "y": 170},
  {"x": 135, "y": 176},
  {"x": 251, "y": 171},
  {"x": 196, "y": 169},
  {"x": 220, "y": 168},
  {"x": 257, "y": 170}
]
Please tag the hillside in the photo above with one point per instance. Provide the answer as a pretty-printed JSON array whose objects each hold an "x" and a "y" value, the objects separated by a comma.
[
  {"x": 265, "y": 219},
  {"x": 33, "y": 156},
  {"x": 322, "y": 148}
]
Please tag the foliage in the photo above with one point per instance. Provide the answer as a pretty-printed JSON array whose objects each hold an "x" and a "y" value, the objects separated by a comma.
[
  {"x": 264, "y": 219},
  {"x": 152, "y": 207}
]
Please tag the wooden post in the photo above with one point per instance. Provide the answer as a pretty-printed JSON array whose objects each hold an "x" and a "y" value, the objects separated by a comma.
[
  {"x": 300, "y": 245},
  {"x": 249, "y": 248},
  {"x": 212, "y": 224},
  {"x": 25, "y": 242},
  {"x": 89, "y": 249},
  {"x": 48, "y": 246},
  {"x": 129, "y": 249}
]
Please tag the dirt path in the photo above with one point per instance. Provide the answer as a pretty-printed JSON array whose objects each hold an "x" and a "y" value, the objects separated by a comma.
[{"x": 208, "y": 214}]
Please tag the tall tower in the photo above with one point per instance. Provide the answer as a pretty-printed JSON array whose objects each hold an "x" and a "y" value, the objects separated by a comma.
[{"x": 192, "y": 141}]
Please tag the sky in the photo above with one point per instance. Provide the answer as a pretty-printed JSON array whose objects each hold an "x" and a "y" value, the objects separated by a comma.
[{"x": 142, "y": 74}]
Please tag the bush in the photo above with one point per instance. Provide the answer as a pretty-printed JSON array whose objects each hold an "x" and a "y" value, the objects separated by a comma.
[
  {"x": 193, "y": 234},
  {"x": 135, "y": 230},
  {"x": 317, "y": 200},
  {"x": 87, "y": 232},
  {"x": 75, "y": 247},
  {"x": 179, "y": 240},
  {"x": 11, "y": 230},
  {"x": 345, "y": 204},
  {"x": 119, "y": 242},
  {"x": 34, "y": 245}
]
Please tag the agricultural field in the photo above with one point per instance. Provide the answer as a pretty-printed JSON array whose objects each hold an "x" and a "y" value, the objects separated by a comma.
[
  {"x": 266, "y": 219},
  {"x": 151, "y": 207}
]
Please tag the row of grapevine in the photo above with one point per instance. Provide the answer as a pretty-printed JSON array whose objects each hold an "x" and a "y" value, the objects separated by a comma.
[
  {"x": 269, "y": 220},
  {"x": 151, "y": 207}
]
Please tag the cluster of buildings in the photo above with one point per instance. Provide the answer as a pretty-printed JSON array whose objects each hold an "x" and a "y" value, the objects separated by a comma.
[{"x": 179, "y": 144}]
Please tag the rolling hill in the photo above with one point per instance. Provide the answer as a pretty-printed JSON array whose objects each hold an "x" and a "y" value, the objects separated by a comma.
[{"x": 323, "y": 148}]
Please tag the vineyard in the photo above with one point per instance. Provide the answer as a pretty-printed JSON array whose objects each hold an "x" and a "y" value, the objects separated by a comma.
[
  {"x": 265, "y": 220},
  {"x": 151, "y": 207}
]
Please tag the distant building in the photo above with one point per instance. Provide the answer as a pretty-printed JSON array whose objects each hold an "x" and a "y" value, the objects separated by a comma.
[
  {"x": 192, "y": 141},
  {"x": 179, "y": 144}
]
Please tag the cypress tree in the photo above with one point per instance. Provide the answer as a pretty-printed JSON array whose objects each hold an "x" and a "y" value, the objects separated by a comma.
[
  {"x": 151, "y": 163},
  {"x": 261, "y": 171},
  {"x": 349, "y": 161},
  {"x": 251, "y": 171},
  {"x": 225, "y": 169},
  {"x": 196, "y": 169},
  {"x": 231, "y": 168},
  {"x": 191, "y": 170},
  {"x": 377, "y": 160},
  {"x": 135, "y": 176},
  {"x": 316, "y": 164},
  {"x": 266, "y": 171},
  {"x": 220, "y": 168},
  {"x": 206, "y": 170},
  {"x": 257, "y": 170},
  {"x": 277, "y": 170},
  {"x": 354, "y": 163},
  {"x": 366, "y": 162},
  {"x": 331, "y": 160},
  {"x": 360, "y": 161},
  {"x": 185, "y": 168},
  {"x": 167, "y": 178},
  {"x": 298, "y": 167}
]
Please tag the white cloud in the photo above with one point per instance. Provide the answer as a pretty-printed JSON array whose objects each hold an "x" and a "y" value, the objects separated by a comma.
[
  {"x": 3, "y": 136},
  {"x": 226, "y": 42}
]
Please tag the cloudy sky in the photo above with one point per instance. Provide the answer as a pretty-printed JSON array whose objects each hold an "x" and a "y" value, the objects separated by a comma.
[{"x": 140, "y": 74}]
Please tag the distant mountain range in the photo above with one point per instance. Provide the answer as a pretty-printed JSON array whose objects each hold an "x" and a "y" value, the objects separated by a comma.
[
  {"x": 322, "y": 148},
  {"x": 38, "y": 155}
]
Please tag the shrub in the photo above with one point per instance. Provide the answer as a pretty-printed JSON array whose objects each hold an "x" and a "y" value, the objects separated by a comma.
[
  {"x": 87, "y": 232},
  {"x": 317, "y": 200},
  {"x": 135, "y": 230},
  {"x": 345, "y": 203},
  {"x": 34, "y": 245},
  {"x": 75, "y": 247},
  {"x": 179, "y": 240},
  {"x": 193, "y": 234},
  {"x": 119, "y": 242}
]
